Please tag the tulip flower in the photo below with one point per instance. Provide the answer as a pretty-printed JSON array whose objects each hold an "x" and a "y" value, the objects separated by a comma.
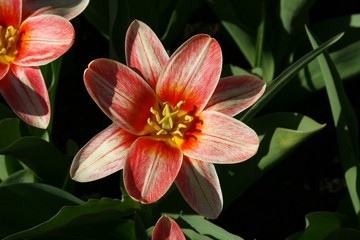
[
  {"x": 171, "y": 120},
  {"x": 167, "y": 229},
  {"x": 33, "y": 33}
]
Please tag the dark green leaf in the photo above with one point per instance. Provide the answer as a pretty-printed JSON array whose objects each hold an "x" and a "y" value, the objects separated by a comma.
[{"x": 21, "y": 176}]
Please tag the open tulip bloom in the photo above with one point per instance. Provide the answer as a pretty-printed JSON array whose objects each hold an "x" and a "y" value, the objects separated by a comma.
[
  {"x": 33, "y": 33},
  {"x": 172, "y": 119}
]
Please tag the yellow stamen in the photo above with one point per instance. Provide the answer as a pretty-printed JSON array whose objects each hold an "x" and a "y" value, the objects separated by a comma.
[{"x": 8, "y": 44}]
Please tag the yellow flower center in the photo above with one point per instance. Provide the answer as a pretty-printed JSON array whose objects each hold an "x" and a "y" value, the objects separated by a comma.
[
  {"x": 8, "y": 44},
  {"x": 170, "y": 121}
]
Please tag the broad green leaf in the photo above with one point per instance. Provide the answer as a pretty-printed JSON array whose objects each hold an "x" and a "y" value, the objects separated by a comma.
[
  {"x": 47, "y": 162},
  {"x": 97, "y": 13},
  {"x": 280, "y": 134},
  {"x": 8, "y": 166},
  {"x": 205, "y": 227},
  {"x": 9, "y": 131},
  {"x": 293, "y": 13},
  {"x": 5, "y": 112},
  {"x": 95, "y": 219},
  {"x": 21, "y": 176},
  {"x": 25, "y": 205},
  {"x": 318, "y": 226},
  {"x": 193, "y": 235},
  {"x": 345, "y": 123},
  {"x": 344, "y": 233},
  {"x": 279, "y": 82}
]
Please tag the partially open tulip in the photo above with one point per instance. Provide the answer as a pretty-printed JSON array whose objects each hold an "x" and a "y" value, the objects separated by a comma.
[
  {"x": 167, "y": 229},
  {"x": 33, "y": 33},
  {"x": 171, "y": 120}
]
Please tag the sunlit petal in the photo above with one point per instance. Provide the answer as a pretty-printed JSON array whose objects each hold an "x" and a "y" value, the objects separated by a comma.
[
  {"x": 121, "y": 93},
  {"x": 64, "y": 8},
  {"x": 167, "y": 229},
  {"x": 24, "y": 90},
  {"x": 198, "y": 183},
  {"x": 103, "y": 155},
  {"x": 192, "y": 73},
  {"x": 10, "y": 13},
  {"x": 218, "y": 138},
  {"x": 235, "y": 94},
  {"x": 144, "y": 52},
  {"x": 151, "y": 168},
  {"x": 43, "y": 39}
]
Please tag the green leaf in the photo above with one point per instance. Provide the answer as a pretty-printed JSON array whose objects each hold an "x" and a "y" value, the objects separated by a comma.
[
  {"x": 344, "y": 233},
  {"x": 6, "y": 112},
  {"x": 345, "y": 123},
  {"x": 280, "y": 134},
  {"x": 25, "y": 205},
  {"x": 279, "y": 82},
  {"x": 193, "y": 235},
  {"x": 97, "y": 13},
  {"x": 21, "y": 176},
  {"x": 9, "y": 131},
  {"x": 293, "y": 13},
  {"x": 203, "y": 226},
  {"x": 95, "y": 219}
]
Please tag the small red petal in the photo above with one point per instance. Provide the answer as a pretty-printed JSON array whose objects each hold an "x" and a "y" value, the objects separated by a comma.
[
  {"x": 167, "y": 229},
  {"x": 10, "y": 13}
]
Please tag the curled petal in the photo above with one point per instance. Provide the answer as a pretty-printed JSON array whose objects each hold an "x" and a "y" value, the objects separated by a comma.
[
  {"x": 198, "y": 183},
  {"x": 121, "y": 93},
  {"x": 43, "y": 39},
  {"x": 4, "y": 68},
  {"x": 10, "y": 13},
  {"x": 167, "y": 229},
  {"x": 102, "y": 155},
  {"x": 191, "y": 74},
  {"x": 218, "y": 138},
  {"x": 65, "y": 8},
  {"x": 151, "y": 168},
  {"x": 144, "y": 52},
  {"x": 24, "y": 90},
  {"x": 235, "y": 94}
]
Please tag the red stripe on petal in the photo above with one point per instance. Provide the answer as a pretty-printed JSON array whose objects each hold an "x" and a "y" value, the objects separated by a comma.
[
  {"x": 144, "y": 52},
  {"x": 24, "y": 90},
  {"x": 167, "y": 229},
  {"x": 43, "y": 39},
  {"x": 235, "y": 94},
  {"x": 218, "y": 138},
  {"x": 103, "y": 155},
  {"x": 121, "y": 93},
  {"x": 65, "y": 8},
  {"x": 191, "y": 74},
  {"x": 10, "y": 13},
  {"x": 150, "y": 169},
  {"x": 199, "y": 184},
  {"x": 4, "y": 68}
]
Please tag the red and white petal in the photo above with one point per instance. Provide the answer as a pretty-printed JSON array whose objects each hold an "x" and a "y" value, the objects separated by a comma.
[
  {"x": 25, "y": 91},
  {"x": 43, "y": 39},
  {"x": 121, "y": 94},
  {"x": 151, "y": 168},
  {"x": 218, "y": 138},
  {"x": 144, "y": 52},
  {"x": 10, "y": 13},
  {"x": 235, "y": 94},
  {"x": 167, "y": 229},
  {"x": 191, "y": 74},
  {"x": 199, "y": 184},
  {"x": 65, "y": 8},
  {"x": 4, "y": 68},
  {"x": 103, "y": 155}
]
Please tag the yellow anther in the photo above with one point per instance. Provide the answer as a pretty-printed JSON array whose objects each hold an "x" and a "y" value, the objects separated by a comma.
[
  {"x": 188, "y": 118},
  {"x": 162, "y": 131}
]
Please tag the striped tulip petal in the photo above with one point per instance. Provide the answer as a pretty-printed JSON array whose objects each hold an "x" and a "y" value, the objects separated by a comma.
[
  {"x": 65, "y": 8},
  {"x": 43, "y": 39},
  {"x": 10, "y": 13},
  {"x": 121, "y": 93},
  {"x": 218, "y": 138},
  {"x": 4, "y": 68},
  {"x": 103, "y": 155},
  {"x": 191, "y": 74},
  {"x": 235, "y": 94},
  {"x": 24, "y": 90},
  {"x": 144, "y": 52},
  {"x": 167, "y": 229},
  {"x": 198, "y": 183},
  {"x": 150, "y": 169}
]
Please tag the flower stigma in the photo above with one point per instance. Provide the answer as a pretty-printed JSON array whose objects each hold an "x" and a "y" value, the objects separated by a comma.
[
  {"x": 170, "y": 121},
  {"x": 8, "y": 44}
]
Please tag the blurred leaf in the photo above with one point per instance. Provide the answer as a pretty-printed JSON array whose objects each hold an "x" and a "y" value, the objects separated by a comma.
[
  {"x": 49, "y": 164},
  {"x": 279, "y": 82},
  {"x": 95, "y": 219},
  {"x": 293, "y": 13},
  {"x": 97, "y": 13},
  {"x": 9, "y": 131},
  {"x": 8, "y": 166},
  {"x": 345, "y": 123},
  {"x": 21, "y": 176},
  {"x": 203, "y": 226},
  {"x": 280, "y": 134},
  {"x": 192, "y": 235},
  {"x": 318, "y": 226},
  {"x": 5, "y": 112},
  {"x": 25, "y": 205},
  {"x": 232, "y": 70},
  {"x": 344, "y": 233}
]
